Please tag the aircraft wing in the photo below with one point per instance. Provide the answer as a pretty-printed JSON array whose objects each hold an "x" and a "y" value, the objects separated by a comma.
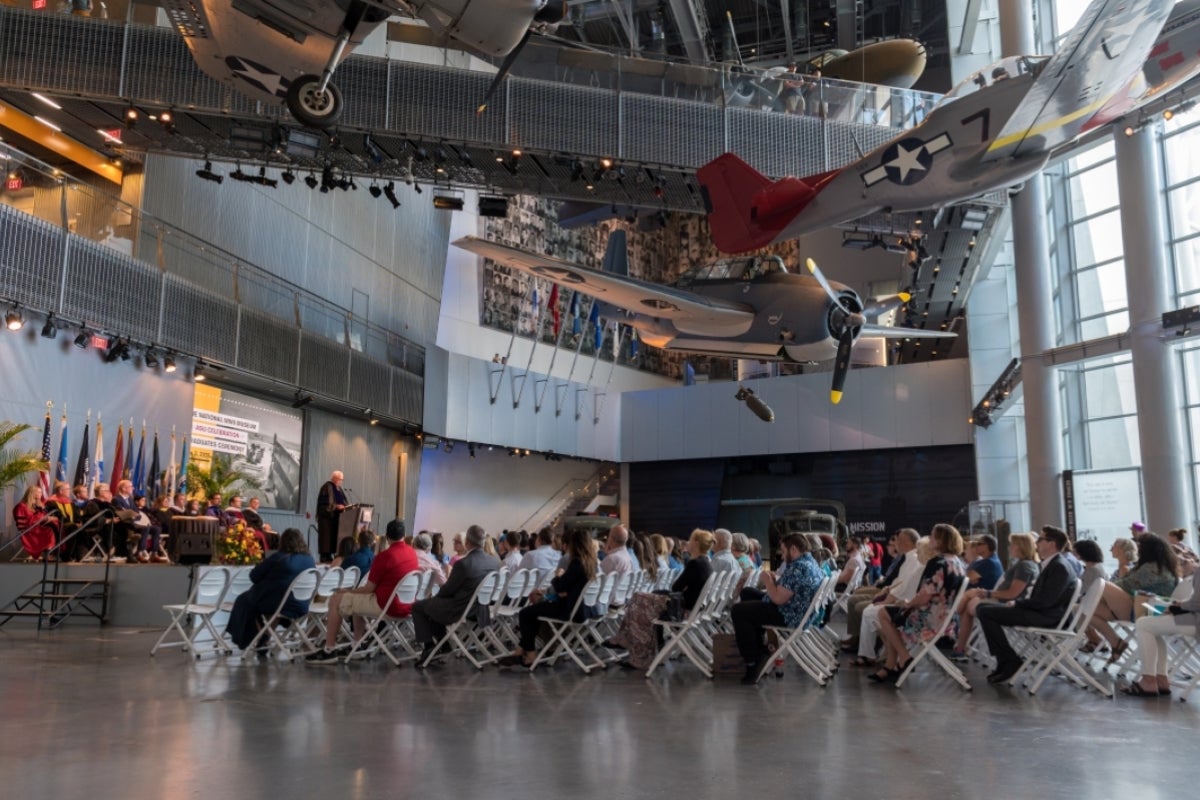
[
  {"x": 690, "y": 312},
  {"x": 1103, "y": 53}
]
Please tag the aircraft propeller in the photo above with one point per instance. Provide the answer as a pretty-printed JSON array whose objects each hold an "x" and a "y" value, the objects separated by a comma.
[{"x": 551, "y": 14}]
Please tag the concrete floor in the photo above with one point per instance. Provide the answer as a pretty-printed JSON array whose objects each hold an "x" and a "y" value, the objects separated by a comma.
[{"x": 87, "y": 713}]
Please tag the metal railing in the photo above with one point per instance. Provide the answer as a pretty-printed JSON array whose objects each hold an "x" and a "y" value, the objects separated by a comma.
[{"x": 549, "y": 511}]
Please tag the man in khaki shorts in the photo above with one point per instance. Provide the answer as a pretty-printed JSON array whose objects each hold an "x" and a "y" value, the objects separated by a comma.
[{"x": 387, "y": 570}]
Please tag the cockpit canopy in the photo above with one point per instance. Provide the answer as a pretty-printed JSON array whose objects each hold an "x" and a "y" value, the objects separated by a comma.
[
  {"x": 1002, "y": 70},
  {"x": 734, "y": 269}
]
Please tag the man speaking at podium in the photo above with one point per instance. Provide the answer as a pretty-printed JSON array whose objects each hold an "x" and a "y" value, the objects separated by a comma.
[{"x": 331, "y": 500}]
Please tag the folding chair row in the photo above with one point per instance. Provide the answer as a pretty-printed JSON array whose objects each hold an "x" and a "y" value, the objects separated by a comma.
[
  {"x": 688, "y": 636},
  {"x": 1056, "y": 650},
  {"x": 929, "y": 649},
  {"x": 803, "y": 644}
]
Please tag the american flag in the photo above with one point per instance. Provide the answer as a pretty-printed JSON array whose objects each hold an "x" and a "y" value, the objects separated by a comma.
[{"x": 44, "y": 472}]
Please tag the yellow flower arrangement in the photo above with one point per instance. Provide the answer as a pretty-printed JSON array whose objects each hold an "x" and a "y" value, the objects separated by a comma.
[{"x": 238, "y": 546}]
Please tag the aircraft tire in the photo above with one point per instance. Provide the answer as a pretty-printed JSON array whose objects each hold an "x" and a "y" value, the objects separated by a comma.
[{"x": 312, "y": 108}]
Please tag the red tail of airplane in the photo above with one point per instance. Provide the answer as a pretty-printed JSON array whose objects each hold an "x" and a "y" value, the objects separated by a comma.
[{"x": 746, "y": 210}]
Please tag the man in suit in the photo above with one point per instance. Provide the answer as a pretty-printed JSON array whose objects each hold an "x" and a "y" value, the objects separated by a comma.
[
  {"x": 430, "y": 617},
  {"x": 1044, "y": 606}
]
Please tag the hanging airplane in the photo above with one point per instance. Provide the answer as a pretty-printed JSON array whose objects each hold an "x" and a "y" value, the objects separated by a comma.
[
  {"x": 287, "y": 50},
  {"x": 738, "y": 308},
  {"x": 996, "y": 129}
]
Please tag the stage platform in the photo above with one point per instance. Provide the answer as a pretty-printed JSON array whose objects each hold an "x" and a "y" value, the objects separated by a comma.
[{"x": 137, "y": 592}]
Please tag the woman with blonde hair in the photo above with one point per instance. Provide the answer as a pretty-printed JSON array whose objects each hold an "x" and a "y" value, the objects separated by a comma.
[
  {"x": 1125, "y": 551},
  {"x": 661, "y": 551},
  {"x": 582, "y": 567},
  {"x": 698, "y": 568},
  {"x": 919, "y": 619},
  {"x": 38, "y": 531},
  {"x": 1011, "y": 587}
]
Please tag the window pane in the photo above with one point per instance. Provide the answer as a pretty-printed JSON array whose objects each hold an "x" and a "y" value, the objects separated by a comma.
[
  {"x": 1097, "y": 239},
  {"x": 1187, "y": 264},
  {"x": 1109, "y": 391},
  {"x": 1101, "y": 289},
  {"x": 1093, "y": 155},
  {"x": 1180, "y": 156},
  {"x": 1099, "y": 327},
  {"x": 1185, "y": 216},
  {"x": 1113, "y": 443},
  {"x": 1094, "y": 190},
  {"x": 1191, "y": 377},
  {"x": 1193, "y": 415}
]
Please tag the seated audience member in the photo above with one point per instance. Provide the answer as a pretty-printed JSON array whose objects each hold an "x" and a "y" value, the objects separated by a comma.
[
  {"x": 215, "y": 509},
  {"x": 1182, "y": 619},
  {"x": 362, "y": 555},
  {"x": 662, "y": 552},
  {"x": 489, "y": 546},
  {"x": 510, "y": 551},
  {"x": 437, "y": 549},
  {"x": 345, "y": 548},
  {"x": 60, "y": 506},
  {"x": 234, "y": 512},
  {"x": 458, "y": 543},
  {"x": 787, "y": 597},
  {"x": 179, "y": 503},
  {"x": 829, "y": 543},
  {"x": 756, "y": 551},
  {"x": 1125, "y": 551},
  {"x": 1092, "y": 556},
  {"x": 1156, "y": 572},
  {"x": 1188, "y": 560},
  {"x": 39, "y": 531},
  {"x": 695, "y": 573},
  {"x": 917, "y": 620},
  {"x": 1043, "y": 606},
  {"x": 875, "y": 562},
  {"x": 581, "y": 569},
  {"x": 740, "y": 548},
  {"x": 985, "y": 570},
  {"x": 1011, "y": 587},
  {"x": 132, "y": 512},
  {"x": 678, "y": 553},
  {"x": 271, "y": 579},
  {"x": 617, "y": 558},
  {"x": 160, "y": 516},
  {"x": 431, "y": 616},
  {"x": 902, "y": 542},
  {"x": 543, "y": 557},
  {"x": 426, "y": 560},
  {"x": 641, "y": 554},
  {"x": 903, "y": 589},
  {"x": 254, "y": 520},
  {"x": 856, "y": 562},
  {"x": 112, "y": 530},
  {"x": 193, "y": 509},
  {"x": 385, "y": 571},
  {"x": 79, "y": 497},
  {"x": 721, "y": 558}
]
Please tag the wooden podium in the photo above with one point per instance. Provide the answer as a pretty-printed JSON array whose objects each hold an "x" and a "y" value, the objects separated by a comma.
[{"x": 353, "y": 519}]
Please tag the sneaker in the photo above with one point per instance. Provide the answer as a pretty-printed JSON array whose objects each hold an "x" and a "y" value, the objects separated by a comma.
[
  {"x": 959, "y": 657},
  {"x": 117, "y": 559},
  {"x": 322, "y": 656}
]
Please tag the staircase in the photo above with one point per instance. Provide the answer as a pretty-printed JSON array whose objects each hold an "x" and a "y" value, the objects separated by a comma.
[
  {"x": 600, "y": 492},
  {"x": 52, "y": 600}
]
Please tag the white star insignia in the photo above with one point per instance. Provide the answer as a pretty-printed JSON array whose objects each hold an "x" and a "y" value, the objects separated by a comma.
[
  {"x": 270, "y": 81},
  {"x": 907, "y": 160}
]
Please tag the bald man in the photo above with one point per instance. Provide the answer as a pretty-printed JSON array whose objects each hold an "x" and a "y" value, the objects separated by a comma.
[
  {"x": 331, "y": 501},
  {"x": 617, "y": 559}
]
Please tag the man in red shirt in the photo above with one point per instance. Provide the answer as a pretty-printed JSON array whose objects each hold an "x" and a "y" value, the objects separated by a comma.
[{"x": 387, "y": 569}]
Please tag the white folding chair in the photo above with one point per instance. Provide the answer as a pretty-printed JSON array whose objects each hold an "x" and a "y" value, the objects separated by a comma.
[
  {"x": 389, "y": 633},
  {"x": 293, "y": 639},
  {"x": 567, "y": 637},
  {"x": 929, "y": 649},
  {"x": 351, "y": 575},
  {"x": 842, "y": 602},
  {"x": 502, "y": 632},
  {"x": 800, "y": 644},
  {"x": 1056, "y": 650},
  {"x": 204, "y": 602},
  {"x": 686, "y": 636},
  {"x": 332, "y": 580},
  {"x": 459, "y": 633}
]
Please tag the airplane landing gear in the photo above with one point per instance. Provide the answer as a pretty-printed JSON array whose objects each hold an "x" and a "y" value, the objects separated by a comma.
[{"x": 311, "y": 105}]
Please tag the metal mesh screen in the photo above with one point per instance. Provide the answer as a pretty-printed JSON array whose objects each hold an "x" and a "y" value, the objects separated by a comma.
[
  {"x": 778, "y": 144},
  {"x": 574, "y": 119},
  {"x": 429, "y": 98},
  {"x": 846, "y": 139},
  {"x": 161, "y": 70},
  {"x": 197, "y": 321},
  {"x": 644, "y": 118},
  {"x": 407, "y": 395},
  {"x": 364, "y": 83},
  {"x": 267, "y": 346},
  {"x": 31, "y": 253},
  {"x": 111, "y": 290},
  {"x": 52, "y": 51},
  {"x": 369, "y": 383},
  {"x": 323, "y": 366}
]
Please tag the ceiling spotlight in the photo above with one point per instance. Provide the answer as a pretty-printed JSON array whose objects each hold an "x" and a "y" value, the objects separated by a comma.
[
  {"x": 375, "y": 189},
  {"x": 166, "y": 117},
  {"x": 13, "y": 320},
  {"x": 117, "y": 348},
  {"x": 263, "y": 180},
  {"x": 208, "y": 174},
  {"x": 389, "y": 192},
  {"x": 150, "y": 360},
  {"x": 168, "y": 363},
  {"x": 81, "y": 339},
  {"x": 288, "y": 176},
  {"x": 49, "y": 330},
  {"x": 311, "y": 181},
  {"x": 417, "y": 186},
  {"x": 131, "y": 117},
  {"x": 198, "y": 374}
]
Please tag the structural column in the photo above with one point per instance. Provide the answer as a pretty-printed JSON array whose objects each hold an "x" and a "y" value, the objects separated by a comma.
[
  {"x": 1156, "y": 369},
  {"x": 1035, "y": 312}
]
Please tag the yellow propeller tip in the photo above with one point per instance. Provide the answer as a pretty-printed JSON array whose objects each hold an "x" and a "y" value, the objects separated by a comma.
[
  {"x": 812, "y": 265},
  {"x": 481, "y": 109},
  {"x": 835, "y": 397},
  {"x": 904, "y": 297}
]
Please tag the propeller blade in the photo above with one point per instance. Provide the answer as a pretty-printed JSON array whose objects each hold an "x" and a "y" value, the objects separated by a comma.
[
  {"x": 890, "y": 332},
  {"x": 879, "y": 307},
  {"x": 816, "y": 273},
  {"x": 505, "y": 67},
  {"x": 841, "y": 366}
]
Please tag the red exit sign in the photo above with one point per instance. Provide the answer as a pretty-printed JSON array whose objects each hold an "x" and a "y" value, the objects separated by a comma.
[
  {"x": 99, "y": 342},
  {"x": 38, "y": 5},
  {"x": 14, "y": 183}
]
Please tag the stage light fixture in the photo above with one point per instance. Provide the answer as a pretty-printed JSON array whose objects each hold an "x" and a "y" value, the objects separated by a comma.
[
  {"x": 208, "y": 174},
  {"x": 131, "y": 117},
  {"x": 448, "y": 202},
  {"x": 168, "y": 363},
  {"x": 576, "y": 170},
  {"x": 150, "y": 359},
  {"x": 418, "y": 188},
  {"x": 311, "y": 181},
  {"x": 13, "y": 320},
  {"x": 49, "y": 330},
  {"x": 301, "y": 399},
  {"x": 328, "y": 182},
  {"x": 263, "y": 180},
  {"x": 375, "y": 190},
  {"x": 113, "y": 352},
  {"x": 198, "y": 373},
  {"x": 493, "y": 206},
  {"x": 81, "y": 339},
  {"x": 389, "y": 191},
  {"x": 288, "y": 176},
  {"x": 238, "y": 175},
  {"x": 166, "y": 117}
]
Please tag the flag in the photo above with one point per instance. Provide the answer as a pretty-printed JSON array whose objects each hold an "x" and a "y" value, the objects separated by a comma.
[
  {"x": 535, "y": 300},
  {"x": 44, "y": 472},
  {"x": 172, "y": 473},
  {"x": 118, "y": 467},
  {"x": 554, "y": 310},
  {"x": 82, "y": 467},
  {"x": 594, "y": 321},
  {"x": 128, "y": 454},
  {"x": 183, "y": 465},
  {"x": 616, "y": 326},
  {"x": 576, "y": 322},
  {"x": 98, "y": 473},
  {"x": 689, "y": 374},
  {"x": 139, "y": 470},
  {"x": 154, "y": 479},
  {"x": 60, "y": 469},
  {"x": 633, "y": 343}
]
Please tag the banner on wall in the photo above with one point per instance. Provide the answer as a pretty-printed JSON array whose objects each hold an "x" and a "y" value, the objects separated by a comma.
[{"x": 256, "y": 437}]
